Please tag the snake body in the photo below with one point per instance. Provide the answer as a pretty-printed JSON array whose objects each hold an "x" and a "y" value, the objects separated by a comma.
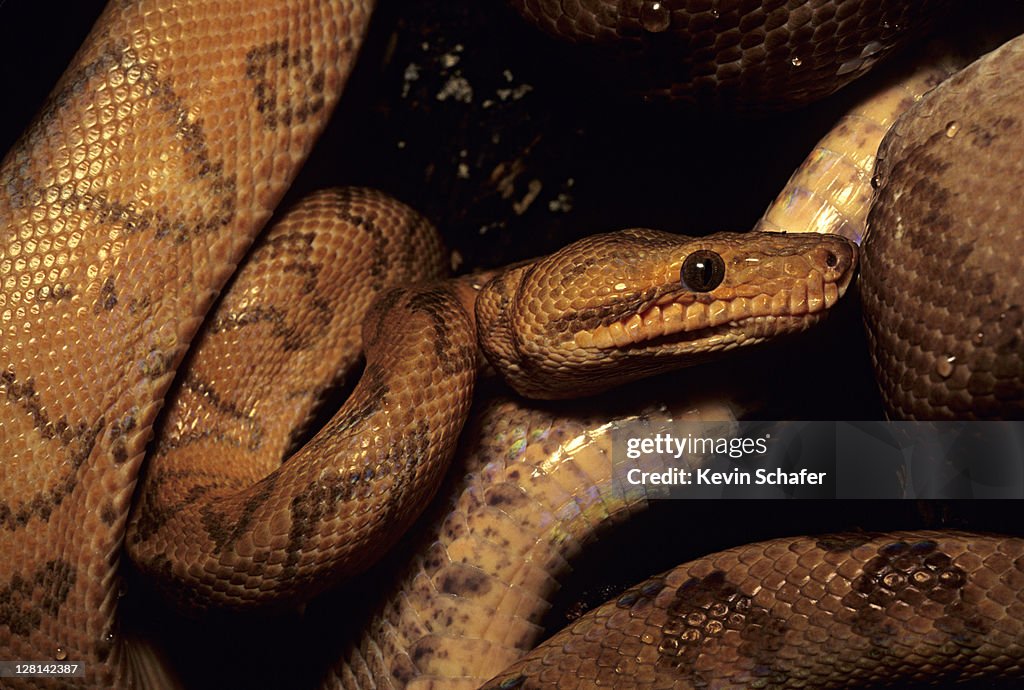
[
  {"x": 228, "y": 536},
  {"x": 752, "y": 56},
  {"x": 745, "y": 618},
  {"x": 125, "y": 209},
  {"x": 950, "y": 163},
  {"x": 219, "y": 515}
]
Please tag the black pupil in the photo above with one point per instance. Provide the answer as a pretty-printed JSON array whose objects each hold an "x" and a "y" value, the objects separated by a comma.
[{"x": 702, "y": 271}]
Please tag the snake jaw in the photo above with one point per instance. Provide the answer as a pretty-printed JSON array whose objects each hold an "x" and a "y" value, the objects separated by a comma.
[{"x": 677, "y": 321}]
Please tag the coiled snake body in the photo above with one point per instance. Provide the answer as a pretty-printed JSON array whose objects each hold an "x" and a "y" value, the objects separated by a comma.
[{"x": 125, "y": 209}]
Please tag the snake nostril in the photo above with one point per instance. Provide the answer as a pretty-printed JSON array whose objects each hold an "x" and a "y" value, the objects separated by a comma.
[{"x": 831, "y": 260}]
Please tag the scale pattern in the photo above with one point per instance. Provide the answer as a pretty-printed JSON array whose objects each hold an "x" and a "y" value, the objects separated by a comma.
[
  {"x": 814, "y": 612},
  {"x": 941, "y": 285},
  {"x": 220, "y": 521},
  {"x": 731, "y": 53},
  {"x": 124, "y": 208}
]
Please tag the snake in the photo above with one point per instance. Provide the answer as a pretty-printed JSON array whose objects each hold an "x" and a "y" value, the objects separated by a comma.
[{"x": 102, "y": 254}]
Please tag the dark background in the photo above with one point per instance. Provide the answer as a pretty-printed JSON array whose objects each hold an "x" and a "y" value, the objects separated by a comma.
[{"x": 597, "y": 161}]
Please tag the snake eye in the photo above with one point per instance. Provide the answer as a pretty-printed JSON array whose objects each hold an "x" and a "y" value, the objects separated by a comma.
[{"x": 702, "y": 271}]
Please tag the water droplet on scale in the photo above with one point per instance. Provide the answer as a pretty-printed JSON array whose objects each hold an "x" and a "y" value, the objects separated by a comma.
[
  {"x": 952, "y": 128},
  {"x": 796, "y": 62},
  {"x": 655, "y": 16},
  {"x": 978, "y": 338},
  {"x": 944, "y": 366},
  {"x": 61, "y": 654}
]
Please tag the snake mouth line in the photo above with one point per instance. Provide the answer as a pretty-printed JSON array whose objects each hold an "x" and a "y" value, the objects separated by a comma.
[
  {"x": 718, "y": 322},
  {"x": 747, "y": 331}
]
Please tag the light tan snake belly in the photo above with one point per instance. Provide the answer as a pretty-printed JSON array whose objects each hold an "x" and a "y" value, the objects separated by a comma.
[
  {"x": 536, "y": 494},
  {"x": 151, "y": 363}
]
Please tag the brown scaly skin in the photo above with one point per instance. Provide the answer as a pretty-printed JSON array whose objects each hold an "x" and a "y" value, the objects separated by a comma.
[
  {"x": 831, "y": 191},
  {"x": 225, "y": 535},
  {"x": 123, "y": 210},
  {"x": 220, "y": 522},
  {"x": 941, "y": 283},
  {"x": 734, "y": 55},
  {"x": 744, "y": 618},
  {"x": 611, "y": 308}
]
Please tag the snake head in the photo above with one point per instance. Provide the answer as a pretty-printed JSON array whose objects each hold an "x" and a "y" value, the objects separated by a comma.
[{"x": 616, "y": 307}]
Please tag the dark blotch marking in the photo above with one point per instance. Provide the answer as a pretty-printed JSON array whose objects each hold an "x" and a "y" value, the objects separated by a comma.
[
  {"x": 118, "y": 432},
  {"x": 911, "y": 573},
  {"x": 435, "y": 559},
  {"x": 223, "y": 528},
  {"x": 23, "y": 394},
  {"x": 78, "y": 442},
  {"x": 119, "y": 451},
  {"x": 703, "y": 609},
  {"x": 379, "y": 262},
  {"x": 426, "y": 647},
  {"x": 626, "y": 304},
  {"x": 261, "y": 67},
  {"x": 50, "y": 584},
  {"x": 437, "y": 304},
  {"x": 505, "y": 495},
  {"x": 465, "y": 581},
  {"x": 120, "y": 57},
  {"x": 309, "y": 508},
  {"x": 321, "y": 498},
  {"x": 206, "y": 391},
  {"x": 54, "y": 293},
  {"x": 580, "y": 267},
  {"x": 292, "y": 338},
  {"x": 171, "y": 441},
  {"x": 137, "y": 304},
  {"x": 156, "y": 364},
  {"x": 157, "y": 512},
  {"x": 295, "y": 250},
  {"x": 403, "y": 670},
  {"x": 378, "y": 317},
  {"x": 108, "y": 296},
  {"x": 108, "y": 515}
]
